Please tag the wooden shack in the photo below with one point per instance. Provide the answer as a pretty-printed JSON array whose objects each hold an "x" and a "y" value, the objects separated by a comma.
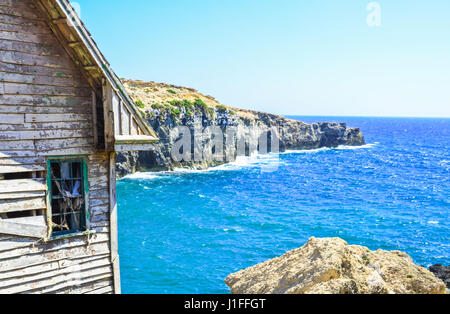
[{"x": 63, "y": 116}]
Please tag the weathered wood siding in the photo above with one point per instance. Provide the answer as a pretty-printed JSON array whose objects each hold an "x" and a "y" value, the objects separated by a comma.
[{"x": 46, "y": 110}]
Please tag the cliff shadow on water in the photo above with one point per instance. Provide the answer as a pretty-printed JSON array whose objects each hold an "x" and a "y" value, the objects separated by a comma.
[{"x": 213, "y": 134}]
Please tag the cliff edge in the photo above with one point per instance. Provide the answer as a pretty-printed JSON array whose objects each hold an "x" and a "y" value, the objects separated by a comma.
[
  {"x": 331, "y": 266},
  {"x": 167, "y": 107}
]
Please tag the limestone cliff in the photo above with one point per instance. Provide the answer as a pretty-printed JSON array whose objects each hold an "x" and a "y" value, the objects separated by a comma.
[
  {"x": 167, "y": 107},
  {"x": 331, "y": 266}
]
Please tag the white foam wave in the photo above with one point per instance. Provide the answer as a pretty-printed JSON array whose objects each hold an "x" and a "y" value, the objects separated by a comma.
[
  {"x": 266, "y": 162},
  {"x": 340, "y": 147},
  {"x": 142, "y": 176}
]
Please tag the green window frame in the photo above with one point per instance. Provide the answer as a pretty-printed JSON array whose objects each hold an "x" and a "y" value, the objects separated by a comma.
[{"x": 68, "y": 195}]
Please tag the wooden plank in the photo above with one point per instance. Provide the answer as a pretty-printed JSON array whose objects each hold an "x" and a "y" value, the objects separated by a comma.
[
  {"x": 84, "y": 103},
  {"x": 24, "y": 28},
  {"x": 23, "y": 283},
  {"x": 29, "y": 89},
  {"x": 135, "y": 139},
  {"x": 44, "y": 134},
  {"x": 17, "y": 20},
  {"x": 37, "y": 70},
  {"x": 8, "y": 226},
  {"x": 134, "y": 129},
  {"x": 21, "y": 58},
  {"x": 42, "y": 80},
  {"x": 11, "y": 119},
  {"x": 38, "y": 109},
  {"x": 108, "y": 117},
  {"x": 24, "y": 4},
  {"x": 113, "y": 223},
  {"x": 20, "y": 195},
  {"x": 26, "y": 37},
  {"x": 125, "y": 121},
  {"x": 133, "y": 147},
  {"x": 54, "y": 250},
  {"x": 22, "y": 161},
  {"x": 16, "y": 145},
  {"x": 67, "y": 287},
  {"x": 116, "y": 107},
  {"x": 86, "y": 124},
  {"x": 46, "y": 267},
  {"x": 22, "y": 185},
  {"x": 28, "y": 14},
  {"x": 25, "y": 47},
  {"x": 16, "y": 205},
  {"x": 48, "y": 145},
  {"x": 63, "y": 117},
  {"x": 107, "y": 289},
  {"x": 68, "y": 151},
  {"x": 21, "y": 169},
  {"x": 17, "y": 154}
]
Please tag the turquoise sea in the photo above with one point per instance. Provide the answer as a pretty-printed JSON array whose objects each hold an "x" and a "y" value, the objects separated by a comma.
[{"x": 185, "y": 231}]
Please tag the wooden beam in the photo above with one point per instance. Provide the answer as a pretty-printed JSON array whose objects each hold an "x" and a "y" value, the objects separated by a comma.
[
  {"x": 74, "y": 44},
  {"x": 113, "y": 223},
  {"x": 135, "y": 139},
  {"x": 59, "y": 21},
  {"x": 133, "y": 148},
  {"x": 90, "y": 67}
]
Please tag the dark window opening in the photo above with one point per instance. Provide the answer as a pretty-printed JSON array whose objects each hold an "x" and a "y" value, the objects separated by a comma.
[
  {"x": 100, "y": 120},
  {"x": 17, "y": 176},
  {"x": 67, "y": 191}
]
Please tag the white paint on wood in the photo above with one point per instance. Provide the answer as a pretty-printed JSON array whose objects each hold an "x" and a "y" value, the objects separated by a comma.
[
  {"x": 20, "y": 169},
  {"x": 37, "y": 229},
  {"x": 16, "y": 205},
  {"x": 133, "y": 147},
  {"x": 113, "y": 223},
  {"x": 22, "y": 185},
  {"x": 20, "y": 195},
  {"x": 11, "y": 119},
  {"x": 68, "y": 117}
]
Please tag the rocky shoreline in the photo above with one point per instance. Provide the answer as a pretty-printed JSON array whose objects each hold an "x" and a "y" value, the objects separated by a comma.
[
  {"x": 442, "y": 272},
  {"x": 168, "y": 107}
]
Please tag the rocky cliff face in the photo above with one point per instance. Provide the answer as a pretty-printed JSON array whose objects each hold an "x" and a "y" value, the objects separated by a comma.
[
  {"x": 168, "y": 107},
  {"x": 442, "y": 272},
  {"x": 331, "y": 266}
]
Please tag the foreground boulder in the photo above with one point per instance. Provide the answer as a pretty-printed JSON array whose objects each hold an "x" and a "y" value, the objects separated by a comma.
[{"x": 331, "y": 266}]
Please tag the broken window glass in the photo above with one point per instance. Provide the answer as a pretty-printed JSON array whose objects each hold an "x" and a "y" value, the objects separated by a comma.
[{"x": 68, "y": 196}]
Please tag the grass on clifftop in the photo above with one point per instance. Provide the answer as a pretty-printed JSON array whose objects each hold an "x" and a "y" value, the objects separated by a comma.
[{"x": 150, "y": 96}]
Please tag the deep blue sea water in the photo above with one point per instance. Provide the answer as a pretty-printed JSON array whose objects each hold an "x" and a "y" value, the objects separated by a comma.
[{"x": 184, "y": 232}]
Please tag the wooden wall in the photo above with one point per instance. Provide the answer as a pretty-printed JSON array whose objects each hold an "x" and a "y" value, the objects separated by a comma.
[{"x": 46, "y": 110}]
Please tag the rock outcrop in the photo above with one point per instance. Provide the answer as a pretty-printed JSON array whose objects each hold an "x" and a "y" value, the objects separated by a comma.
[
  {"x": 167, "y": 107},
  {"x": 442, "y": 272},
  {"x": 331, "y": 266}
]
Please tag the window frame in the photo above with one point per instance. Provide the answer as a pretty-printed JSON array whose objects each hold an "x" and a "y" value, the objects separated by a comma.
[{"x": 85, "y": 179}]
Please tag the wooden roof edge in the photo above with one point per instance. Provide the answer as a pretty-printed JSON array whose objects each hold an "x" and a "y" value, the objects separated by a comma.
[
  {"x": 113, "y": 79},
  {"x": 135, "y": 139}
]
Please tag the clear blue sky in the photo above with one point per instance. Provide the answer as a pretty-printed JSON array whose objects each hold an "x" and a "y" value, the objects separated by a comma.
[{"x": 304, "y": 57}]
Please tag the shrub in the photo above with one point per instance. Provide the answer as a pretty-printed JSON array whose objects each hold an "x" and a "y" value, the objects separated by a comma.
[
  {"x": 221, "y": 108},
  {"x": 158, "y": 106},
  {"x": 188, "y": 105},
  {"x": 176, "y": 103},
  {"x": 140, "y": 104},
  {"x": 174, "y": 112},
  {"x": 171, "y": 91},
  {"x": 200, "y": 104}
]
